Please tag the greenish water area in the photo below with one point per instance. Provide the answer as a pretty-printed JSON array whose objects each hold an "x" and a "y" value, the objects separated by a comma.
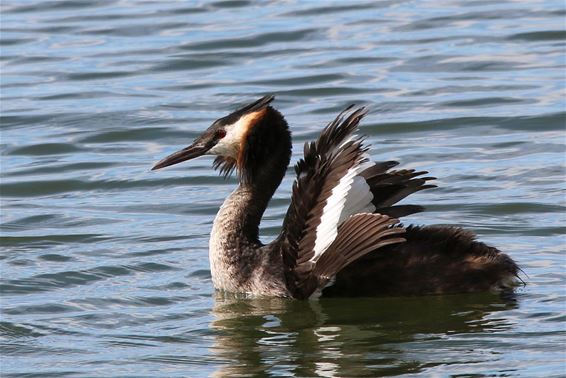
[{"x": 104, "y": 264}]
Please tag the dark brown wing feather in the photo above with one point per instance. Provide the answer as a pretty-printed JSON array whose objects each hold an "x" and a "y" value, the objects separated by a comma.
[
  {"x": 317, "y": 173},
  {"x": 433, "y": 260},
  {"x": 360, "y": 234},
  {"x": 357, "y": 236},
  {"x": 390, "y": 187},
  {"x": 325, "y": 163}
]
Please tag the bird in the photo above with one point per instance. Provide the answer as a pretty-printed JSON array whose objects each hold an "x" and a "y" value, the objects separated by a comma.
[{"x": 341, "y": 235}]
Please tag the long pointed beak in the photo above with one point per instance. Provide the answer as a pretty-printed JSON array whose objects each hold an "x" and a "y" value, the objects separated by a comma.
[{"x": 191, "y": 152}]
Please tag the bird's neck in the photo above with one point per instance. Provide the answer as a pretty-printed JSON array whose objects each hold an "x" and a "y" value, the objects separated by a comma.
[
  {"x": 234, "y": 240},
  {"x": 240, "y": 215}
]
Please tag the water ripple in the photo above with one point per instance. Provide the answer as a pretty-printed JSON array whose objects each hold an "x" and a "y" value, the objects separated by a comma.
[{"x": 104, "y": 266}]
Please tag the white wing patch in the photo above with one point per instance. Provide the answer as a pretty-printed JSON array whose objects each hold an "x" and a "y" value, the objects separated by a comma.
[{"x": 351, "y": 196}]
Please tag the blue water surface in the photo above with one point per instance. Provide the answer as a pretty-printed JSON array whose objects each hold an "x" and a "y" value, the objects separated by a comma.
[{"x": 104, "y": 264}]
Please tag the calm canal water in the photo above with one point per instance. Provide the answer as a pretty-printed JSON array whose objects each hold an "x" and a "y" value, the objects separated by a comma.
[{"x": 104, "y": 264}]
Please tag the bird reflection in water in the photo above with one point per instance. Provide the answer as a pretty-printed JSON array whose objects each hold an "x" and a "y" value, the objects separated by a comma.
[{"x": 345, "y": 337}]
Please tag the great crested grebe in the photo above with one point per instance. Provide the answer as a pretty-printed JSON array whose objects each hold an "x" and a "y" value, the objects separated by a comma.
[{"x": 340, "y": 236}]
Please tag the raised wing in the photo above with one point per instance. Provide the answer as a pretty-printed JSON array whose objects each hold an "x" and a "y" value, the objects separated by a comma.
[{"x": 341, "y": 206}]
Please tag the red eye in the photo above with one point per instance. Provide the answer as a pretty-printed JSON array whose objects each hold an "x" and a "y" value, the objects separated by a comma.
[{"x": 220, "y": 133}]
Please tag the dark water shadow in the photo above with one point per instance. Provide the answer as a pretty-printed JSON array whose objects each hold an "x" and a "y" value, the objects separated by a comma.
[{"x": 343, "y": 337}]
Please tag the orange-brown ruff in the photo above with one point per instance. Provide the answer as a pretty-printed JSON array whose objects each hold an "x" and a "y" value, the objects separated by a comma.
[
  {"x": 249, "y": 120},
  {"x": 341, "y": 235}
]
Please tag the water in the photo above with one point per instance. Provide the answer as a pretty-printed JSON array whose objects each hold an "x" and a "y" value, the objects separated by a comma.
[{"x": 104, "y": 263}]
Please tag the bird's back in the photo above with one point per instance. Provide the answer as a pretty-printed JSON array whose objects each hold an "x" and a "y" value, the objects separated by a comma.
[{"x": 433, "y": 260}]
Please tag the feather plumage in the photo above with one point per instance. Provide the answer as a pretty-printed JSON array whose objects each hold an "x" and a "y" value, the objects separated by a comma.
[{"x": 329, "y": 192}]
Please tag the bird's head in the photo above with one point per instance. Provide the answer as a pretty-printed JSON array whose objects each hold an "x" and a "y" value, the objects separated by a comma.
[{"x": 239, "y": 140}]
